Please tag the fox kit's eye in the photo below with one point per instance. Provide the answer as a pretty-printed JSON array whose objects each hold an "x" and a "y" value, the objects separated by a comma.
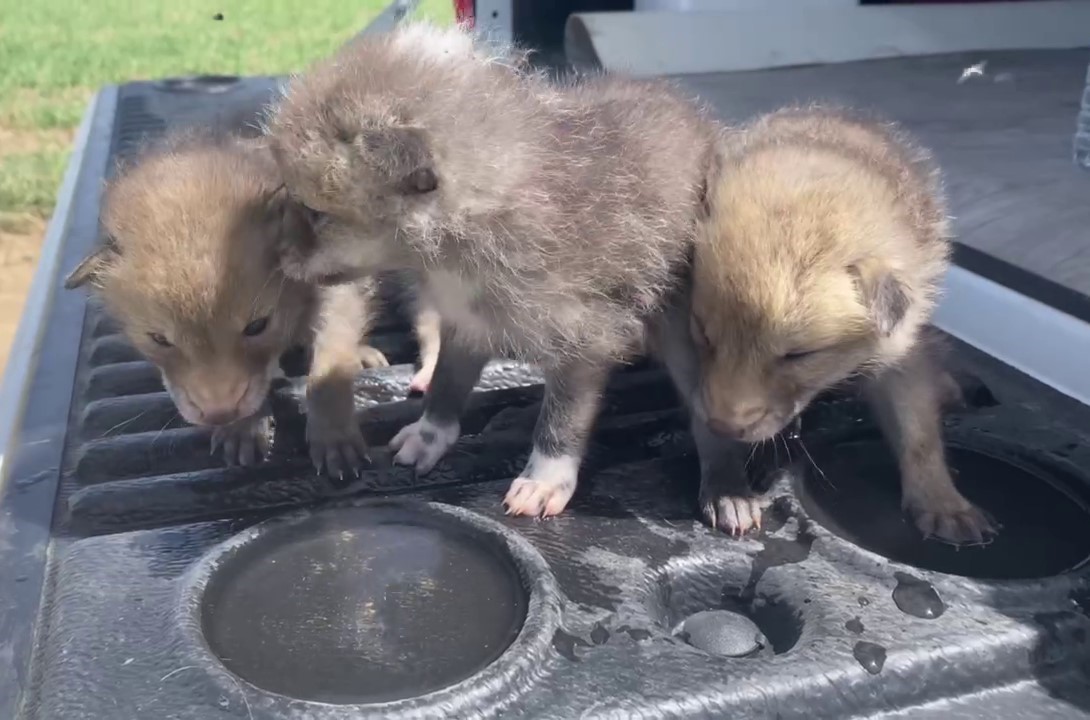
[
  {"x": 799, "y": 355},
  {"x": 256, "y": 327},
  {"x": 160, "y": 340},
  {"x": 316, "y": 218}
]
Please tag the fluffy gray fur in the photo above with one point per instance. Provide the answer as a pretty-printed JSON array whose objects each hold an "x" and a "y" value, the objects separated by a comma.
[{"x": 549, "y": 222}]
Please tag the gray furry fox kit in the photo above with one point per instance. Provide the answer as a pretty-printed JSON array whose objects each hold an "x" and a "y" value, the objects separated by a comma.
[{"x": 190, "y": 273}]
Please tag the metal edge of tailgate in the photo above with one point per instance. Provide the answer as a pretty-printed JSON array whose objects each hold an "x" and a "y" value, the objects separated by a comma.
[{"x": 36, "y": 396}]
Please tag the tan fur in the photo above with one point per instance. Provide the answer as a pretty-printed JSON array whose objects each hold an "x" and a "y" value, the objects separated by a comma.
[
  {"x": 190, "y": 226},
  {"x": 811, "y": 209},
  {"x": 821, "y": 261},
  {"x": 190, "y": 259}
]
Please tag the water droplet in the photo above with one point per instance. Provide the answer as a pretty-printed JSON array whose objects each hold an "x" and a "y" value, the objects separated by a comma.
[
  {"x": 917, "y": 597},
  {"x": 855, "y": 625},
  {"x": 566, "y": 643},
  {"x": 871, "y": 656},
  {"x": 599, "y": 635}
]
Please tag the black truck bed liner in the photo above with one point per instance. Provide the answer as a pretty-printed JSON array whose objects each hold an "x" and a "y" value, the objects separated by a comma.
[{"x": 116, "y": 521}]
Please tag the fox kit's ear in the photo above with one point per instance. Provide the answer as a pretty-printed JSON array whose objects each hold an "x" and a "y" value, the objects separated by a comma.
[
  {"x": 289, "y": 222},
  {"x": 402, "y": 154},
  {"x": 277, "y": 204},
  {"x": 884, "y": 295},
  {"x": 713, "y": 170},
  {"x": 91, "y": 267}
]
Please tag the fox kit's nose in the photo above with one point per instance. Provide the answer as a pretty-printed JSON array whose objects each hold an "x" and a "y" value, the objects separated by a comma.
[
  {"x": 222, "y": 407},
  {"x": 219, "y": 415},
  {"x": 737, "y": 422}
]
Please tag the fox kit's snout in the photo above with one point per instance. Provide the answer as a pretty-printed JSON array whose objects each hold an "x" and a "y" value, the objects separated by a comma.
[
  {"x": 220, "y": 402},
  {"x": 768, "y": 350}
]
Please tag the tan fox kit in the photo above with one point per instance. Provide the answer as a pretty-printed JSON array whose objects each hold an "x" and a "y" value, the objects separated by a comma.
[
  {"x": 189, "y": 272},
  {"x": 820, "y": 261}
]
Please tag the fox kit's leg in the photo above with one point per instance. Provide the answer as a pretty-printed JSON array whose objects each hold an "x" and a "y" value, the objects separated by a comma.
[
  {"x": 245, "y": 441},
  {"x": 427, "y": 339},
  {"x": 457, "y": 369},
  {"x": 573, "y": 392},
  {"x": 726, "y": 499},
  {"x": 907, "y": 400},
  {"x": 343, "y": 317}
]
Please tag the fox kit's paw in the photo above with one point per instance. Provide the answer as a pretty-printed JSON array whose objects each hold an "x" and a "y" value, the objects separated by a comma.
[
  {"x": 336, "y": 449},
  {"x": 422, "y": 443},
  {"x": 372, "y": 357},
  {"x": 244, "y": 442},
  {"x": 955, "y": 521},
  {"x": 727, "y": 501},
  {"x": 545, "y": 486},
  {"x": 733, "y": 514},
  {"x": 336, "y": 444}
]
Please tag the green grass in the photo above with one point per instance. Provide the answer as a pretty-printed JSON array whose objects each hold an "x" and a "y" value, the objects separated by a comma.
[
  {"x": 28, "y": 181},
  {"x": 55, "y": 53}
]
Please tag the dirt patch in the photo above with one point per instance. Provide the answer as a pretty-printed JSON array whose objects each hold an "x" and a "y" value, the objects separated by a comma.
[
  {"x": 16, "y": 141},
  {"x": 20, "y": 245}
]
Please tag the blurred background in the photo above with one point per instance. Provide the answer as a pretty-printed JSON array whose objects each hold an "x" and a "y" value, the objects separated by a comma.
[{"x": 54, "y": 55}]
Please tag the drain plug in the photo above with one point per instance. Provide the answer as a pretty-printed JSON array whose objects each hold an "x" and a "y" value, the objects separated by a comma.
[{"x": 722, "y": 632}]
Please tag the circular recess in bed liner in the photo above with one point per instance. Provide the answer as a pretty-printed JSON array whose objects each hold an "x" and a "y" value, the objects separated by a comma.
[
  {"x": 729, "y": 606},
  {"x": 722, "y": 632},
  {"x": 1045, "y": 528},
  {"x": 364, "y": 604}
]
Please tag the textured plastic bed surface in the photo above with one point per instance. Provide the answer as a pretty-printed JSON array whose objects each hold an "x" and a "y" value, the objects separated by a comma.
[{"x": 177, "y": 588}]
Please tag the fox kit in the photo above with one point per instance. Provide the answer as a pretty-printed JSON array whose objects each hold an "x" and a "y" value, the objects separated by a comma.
[
  {"x": 549, "y": 222},
  {"x": 820, "y": 262},
  {"x": 188, "y": 270}
]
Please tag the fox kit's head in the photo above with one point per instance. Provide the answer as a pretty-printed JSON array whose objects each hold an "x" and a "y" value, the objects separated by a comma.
[
  {"x": 366, "y": 140},
  {"x": 357, "y": 183},
  {"x": 351, "y": 142},
  {"x": 818, "y": 262},
  {"x": 189, "y": 269}
]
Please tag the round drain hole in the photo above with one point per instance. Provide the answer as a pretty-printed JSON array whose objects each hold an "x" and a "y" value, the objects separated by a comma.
[
  {"x": 198, "y": 83},
  {"x": 722, "y": 632},
  {"x": 365, "y": 604},
  {"x": 1045, "y": 527}
]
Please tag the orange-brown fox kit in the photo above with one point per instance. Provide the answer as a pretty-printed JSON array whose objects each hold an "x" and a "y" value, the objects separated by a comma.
[
  {"x": 189, "y": 272},
  {"x": 549, "y": 222},
  {"x": 820, "y": 262}
]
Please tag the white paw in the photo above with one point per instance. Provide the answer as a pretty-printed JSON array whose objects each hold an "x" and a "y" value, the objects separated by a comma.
[
  {"x": 545, "y": 486},
  {"x": 244, "y": 442},
  {"x": 421, "y": 380},
  {"x": 422, "y": 443},
  {"x": 734, "y": 515}
]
